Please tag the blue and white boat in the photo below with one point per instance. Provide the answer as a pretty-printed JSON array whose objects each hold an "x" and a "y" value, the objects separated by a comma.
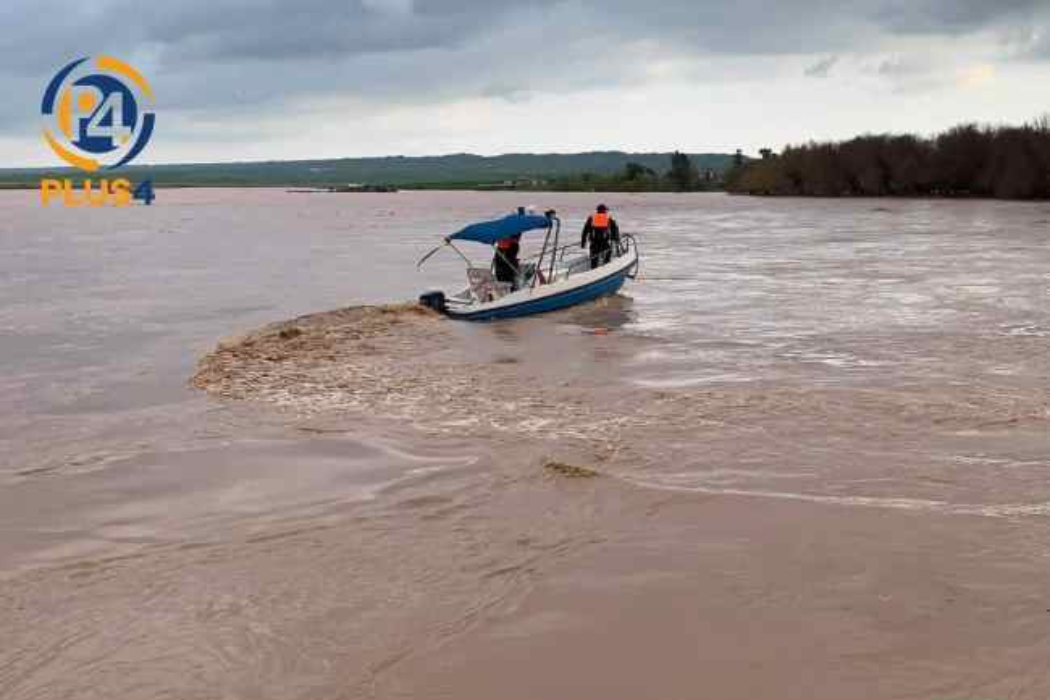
[{"x": 558, "y": 277}]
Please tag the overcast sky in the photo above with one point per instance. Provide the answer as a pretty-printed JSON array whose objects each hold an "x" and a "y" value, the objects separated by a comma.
[{"x": 279, "y": 79}]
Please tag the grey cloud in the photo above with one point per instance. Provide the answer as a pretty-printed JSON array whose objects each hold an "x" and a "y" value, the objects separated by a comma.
[
  {"x": 273, "y": 30},
  {"x": 822, "y": 68},
  {"x": 270, "y": 30},
  {"x": 1028, "y": 43},
  {"x": 914, "y": 74},
  {"x": 903, "y": 67},
  {"x": 954, "y": 16},
  {"x": 233, "y": 56}
]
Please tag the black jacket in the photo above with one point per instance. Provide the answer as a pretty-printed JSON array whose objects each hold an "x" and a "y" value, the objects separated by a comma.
[{"x": 596, "y": 234}]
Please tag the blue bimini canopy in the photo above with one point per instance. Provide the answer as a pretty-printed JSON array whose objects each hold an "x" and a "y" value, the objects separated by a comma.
[{"x": 492, "y": 231}]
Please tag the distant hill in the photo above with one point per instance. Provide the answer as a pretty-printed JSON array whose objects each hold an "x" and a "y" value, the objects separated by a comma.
[{"x": 459, "y": 170}]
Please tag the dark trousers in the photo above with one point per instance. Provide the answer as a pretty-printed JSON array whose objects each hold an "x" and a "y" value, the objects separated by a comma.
[
  {"x": 601, "y": 251},
  {"x": 506, "y": 268}
]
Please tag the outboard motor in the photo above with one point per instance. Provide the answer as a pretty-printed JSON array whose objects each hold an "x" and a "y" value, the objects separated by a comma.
[{"x": 434, "y": 300}]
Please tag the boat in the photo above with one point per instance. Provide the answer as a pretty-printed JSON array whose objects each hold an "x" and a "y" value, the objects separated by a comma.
[{"x": 558, "y": 277}]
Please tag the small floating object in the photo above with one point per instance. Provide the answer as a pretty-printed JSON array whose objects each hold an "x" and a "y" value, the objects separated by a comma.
[
  {"x": 569, "y": 471},
  {"x": 597, "y": 331},
  {"x": 559, "y": 277}
]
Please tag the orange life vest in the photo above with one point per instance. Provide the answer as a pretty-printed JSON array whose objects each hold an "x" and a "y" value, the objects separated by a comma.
[
  {"x": 506, "y": 244},
  {"x": 600, "y": 219}
]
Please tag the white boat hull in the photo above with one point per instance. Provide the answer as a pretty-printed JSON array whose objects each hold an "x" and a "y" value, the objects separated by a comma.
[{"x": 570, "y": 290}]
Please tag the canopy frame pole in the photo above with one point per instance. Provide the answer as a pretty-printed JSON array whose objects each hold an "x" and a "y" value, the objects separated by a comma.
[
  {"x": 557, "y": 239},
  {"x": 447, "y": 244},
  {"x": 543, "y": 253},
  {"x": 459, "y": 252},
  {"x": 473, "y": 289}
]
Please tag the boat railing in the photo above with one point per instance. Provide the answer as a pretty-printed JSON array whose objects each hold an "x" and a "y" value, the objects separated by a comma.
[
  {"x": 568, "y": 260},
  {"x": 483, "y": 287},
  {"x": 574, "y": 266}
]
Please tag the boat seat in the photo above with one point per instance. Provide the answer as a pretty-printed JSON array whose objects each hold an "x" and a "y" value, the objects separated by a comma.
[{"x": 484, "y": 285}]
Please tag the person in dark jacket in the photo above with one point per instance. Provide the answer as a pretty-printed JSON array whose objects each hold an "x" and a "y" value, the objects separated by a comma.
[
  {"x": 601, "y": 231},
  {"x": 506, "y": 260}
]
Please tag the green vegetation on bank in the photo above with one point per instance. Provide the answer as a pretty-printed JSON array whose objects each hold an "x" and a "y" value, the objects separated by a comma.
[
  {"x": 967, "y": 161},
  {"x": 461, "y": 171},
  {"x": 683, "y": 175}
]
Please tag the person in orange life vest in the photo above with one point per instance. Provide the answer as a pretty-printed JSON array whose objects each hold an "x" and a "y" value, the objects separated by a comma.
[
  {"x": 506, "y": 260},
  {"x": 601, "y": 231}
]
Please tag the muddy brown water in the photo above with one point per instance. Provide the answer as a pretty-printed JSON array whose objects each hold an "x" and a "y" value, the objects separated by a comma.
[{"x": 820, "y": 433}]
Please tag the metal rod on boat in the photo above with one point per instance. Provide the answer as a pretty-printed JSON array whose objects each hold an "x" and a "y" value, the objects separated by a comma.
[
  {"x": 543, "y": 252},
  {"x": 446, "y": 244},
  {"x": 557, "y": 236},
  {"x": 429, "y": 255},
  {"x": 459, "y": 252}
]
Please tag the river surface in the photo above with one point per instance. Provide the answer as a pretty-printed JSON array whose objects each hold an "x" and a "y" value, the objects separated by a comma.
[{"x": 822, "y": 433}]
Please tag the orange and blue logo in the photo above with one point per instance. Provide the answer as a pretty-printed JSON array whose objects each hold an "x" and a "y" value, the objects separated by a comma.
[{"x": 96, "y": 113}]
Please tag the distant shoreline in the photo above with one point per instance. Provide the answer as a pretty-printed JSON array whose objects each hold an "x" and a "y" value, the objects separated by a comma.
[
  {"x": 299, "y": 188},
  {"x": 464, "y": 171},
  {"x": 312, "y": 189}
]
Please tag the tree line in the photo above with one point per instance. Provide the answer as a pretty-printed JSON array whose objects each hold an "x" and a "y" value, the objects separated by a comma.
[
  {"x": 682, "y": 175},
  {"x": 1010, "y": 162}
]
